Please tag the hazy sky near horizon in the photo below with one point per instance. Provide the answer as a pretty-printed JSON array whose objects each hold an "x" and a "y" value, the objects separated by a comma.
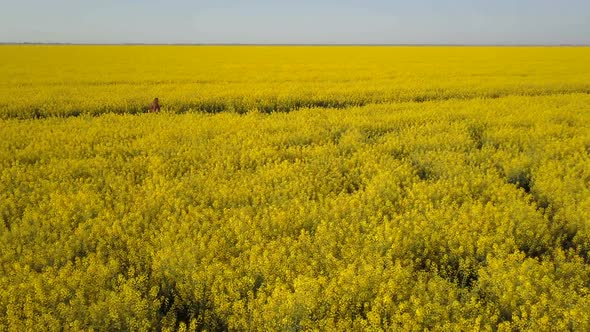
[{"x": 303, "y": 21}]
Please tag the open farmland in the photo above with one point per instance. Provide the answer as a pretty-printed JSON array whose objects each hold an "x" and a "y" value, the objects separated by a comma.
[
  {"x": 39, "y": 81},
  {"x": 294, "y": 188}
]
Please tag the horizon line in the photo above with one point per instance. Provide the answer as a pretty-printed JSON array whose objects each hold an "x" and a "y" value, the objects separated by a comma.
[{"x": 300, "y": 44}]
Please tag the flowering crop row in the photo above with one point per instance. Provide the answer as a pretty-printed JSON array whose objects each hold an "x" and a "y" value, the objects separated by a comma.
[
  {"x": 447, "y": 215},
  {"x": 41, "y": 81}
]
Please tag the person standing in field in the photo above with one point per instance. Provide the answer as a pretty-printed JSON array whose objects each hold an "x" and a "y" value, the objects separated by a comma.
[{"x": 155, "y": 106}]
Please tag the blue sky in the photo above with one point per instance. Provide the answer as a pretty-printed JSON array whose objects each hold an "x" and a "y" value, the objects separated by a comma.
[{"x": 303, "y": 21}]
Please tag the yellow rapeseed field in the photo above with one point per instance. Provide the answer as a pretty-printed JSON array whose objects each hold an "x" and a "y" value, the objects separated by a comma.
[
  {"x": 294, "y": 188},
  {"x": 70, "y": 80}
]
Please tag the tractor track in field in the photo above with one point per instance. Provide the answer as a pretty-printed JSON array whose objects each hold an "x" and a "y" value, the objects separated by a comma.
[{"x": 271, "y": 106}]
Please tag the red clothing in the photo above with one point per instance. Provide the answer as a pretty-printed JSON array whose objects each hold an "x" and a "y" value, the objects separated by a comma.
[{"x": 155, "y": 106}]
